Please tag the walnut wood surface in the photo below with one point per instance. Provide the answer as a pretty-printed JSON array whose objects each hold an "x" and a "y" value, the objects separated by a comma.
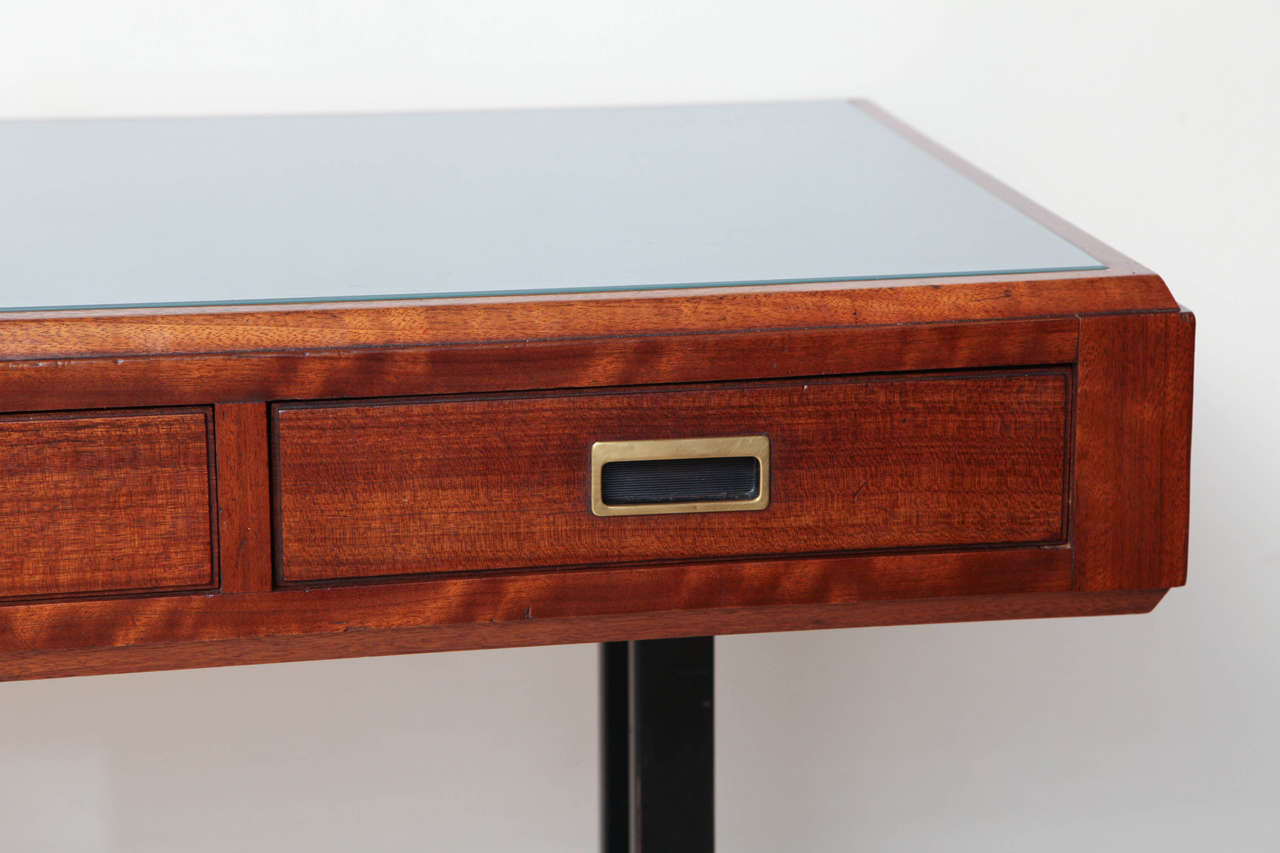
[
  {"x": 856, "y": 464},
  {"x": 100, "y": 502}
]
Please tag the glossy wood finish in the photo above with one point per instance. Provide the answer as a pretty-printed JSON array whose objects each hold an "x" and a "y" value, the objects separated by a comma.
[
  {"x": 528, "y": 598},
  {"x": 641, "y": 601},
  {"x": 1133, "y": 455},
  {"x": 497, "y": 597},
  {"x": 1113, "y": 344},
  {"x": 406, "y": 323},
  {"x": 244, "y": 519},
  {"x": 302, "y": 374},
  {"x": 503, "y": 482},
  {"x": 340, "y": 643},
  {"x": 99, "y": 502}
]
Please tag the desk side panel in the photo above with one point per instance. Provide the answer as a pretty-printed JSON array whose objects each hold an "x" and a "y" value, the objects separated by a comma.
[{"x": 1133, "y": 451}]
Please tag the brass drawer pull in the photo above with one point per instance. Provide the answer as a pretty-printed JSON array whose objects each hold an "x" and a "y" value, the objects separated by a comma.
[{"x": 680, "y": 475}]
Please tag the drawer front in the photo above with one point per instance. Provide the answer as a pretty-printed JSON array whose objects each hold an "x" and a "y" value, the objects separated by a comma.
[
  {"x": 384, "y": 488},
  {"x": 100, "y": 502}
]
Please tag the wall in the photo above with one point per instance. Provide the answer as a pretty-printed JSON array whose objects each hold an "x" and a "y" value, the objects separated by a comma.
[{"x": 1154, "y": 125}]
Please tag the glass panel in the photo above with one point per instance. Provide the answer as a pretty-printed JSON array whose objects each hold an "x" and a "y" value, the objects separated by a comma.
[{"x": 193, "y": 210}]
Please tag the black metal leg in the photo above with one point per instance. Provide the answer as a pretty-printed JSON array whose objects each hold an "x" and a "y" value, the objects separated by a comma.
[
  {"x": 615, "y": 748},
  {"x": 658, "y": 746}
]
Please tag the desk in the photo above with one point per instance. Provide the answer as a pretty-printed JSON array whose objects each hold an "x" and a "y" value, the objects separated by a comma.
[{"x": 294, "y": 388}]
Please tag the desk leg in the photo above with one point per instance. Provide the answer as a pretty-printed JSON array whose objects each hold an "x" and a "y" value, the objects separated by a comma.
[{"x": 657, "y": 746}]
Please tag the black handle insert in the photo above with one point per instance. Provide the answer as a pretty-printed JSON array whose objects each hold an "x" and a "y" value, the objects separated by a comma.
[{"x": 659, "y": 481}]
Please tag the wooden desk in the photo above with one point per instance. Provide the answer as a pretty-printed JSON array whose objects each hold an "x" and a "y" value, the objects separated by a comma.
[{"x": 291, "y": 388}]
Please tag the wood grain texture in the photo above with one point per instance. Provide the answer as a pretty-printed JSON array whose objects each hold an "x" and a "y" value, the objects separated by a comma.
[
  {"x": 365, "y": 609},
  {"x": 185, "y": 655},
  {"x": 445, "y": 485},
  {"x": 99, "y": 502},
  {"x": 1078, "y": 377},
  {"x": 1133, "y": 446},
  {"x": 527, "y": 365},
  {"x": 260, "y": 328},
  {"x": 244, "y": 497}
]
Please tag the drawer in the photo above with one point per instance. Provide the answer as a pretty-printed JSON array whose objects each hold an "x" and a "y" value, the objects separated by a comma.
[
  {"x": 397, "y": 487},
  {"x": 98, "y": 502}
]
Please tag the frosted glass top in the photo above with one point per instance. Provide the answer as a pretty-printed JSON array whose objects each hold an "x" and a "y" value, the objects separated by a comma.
[{"x": 194, "y": 210}]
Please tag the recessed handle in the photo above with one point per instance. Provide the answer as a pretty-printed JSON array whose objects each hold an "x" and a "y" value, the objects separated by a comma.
[{"x": 680, "y": 475}]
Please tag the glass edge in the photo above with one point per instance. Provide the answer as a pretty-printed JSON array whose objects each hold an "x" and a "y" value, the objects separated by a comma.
[{"x": 548, "y": 291}]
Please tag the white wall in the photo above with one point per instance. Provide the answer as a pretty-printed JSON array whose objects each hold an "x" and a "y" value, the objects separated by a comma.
[{"x": 1154, "y": 125}]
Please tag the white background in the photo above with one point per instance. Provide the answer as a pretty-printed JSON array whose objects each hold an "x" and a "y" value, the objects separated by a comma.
[{"x": 1154, "y": 125}]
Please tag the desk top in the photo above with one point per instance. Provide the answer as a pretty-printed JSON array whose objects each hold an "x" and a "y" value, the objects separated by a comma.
[
  {"x": 189, "y": 211},
  {"x": 999, "y": 430}
]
